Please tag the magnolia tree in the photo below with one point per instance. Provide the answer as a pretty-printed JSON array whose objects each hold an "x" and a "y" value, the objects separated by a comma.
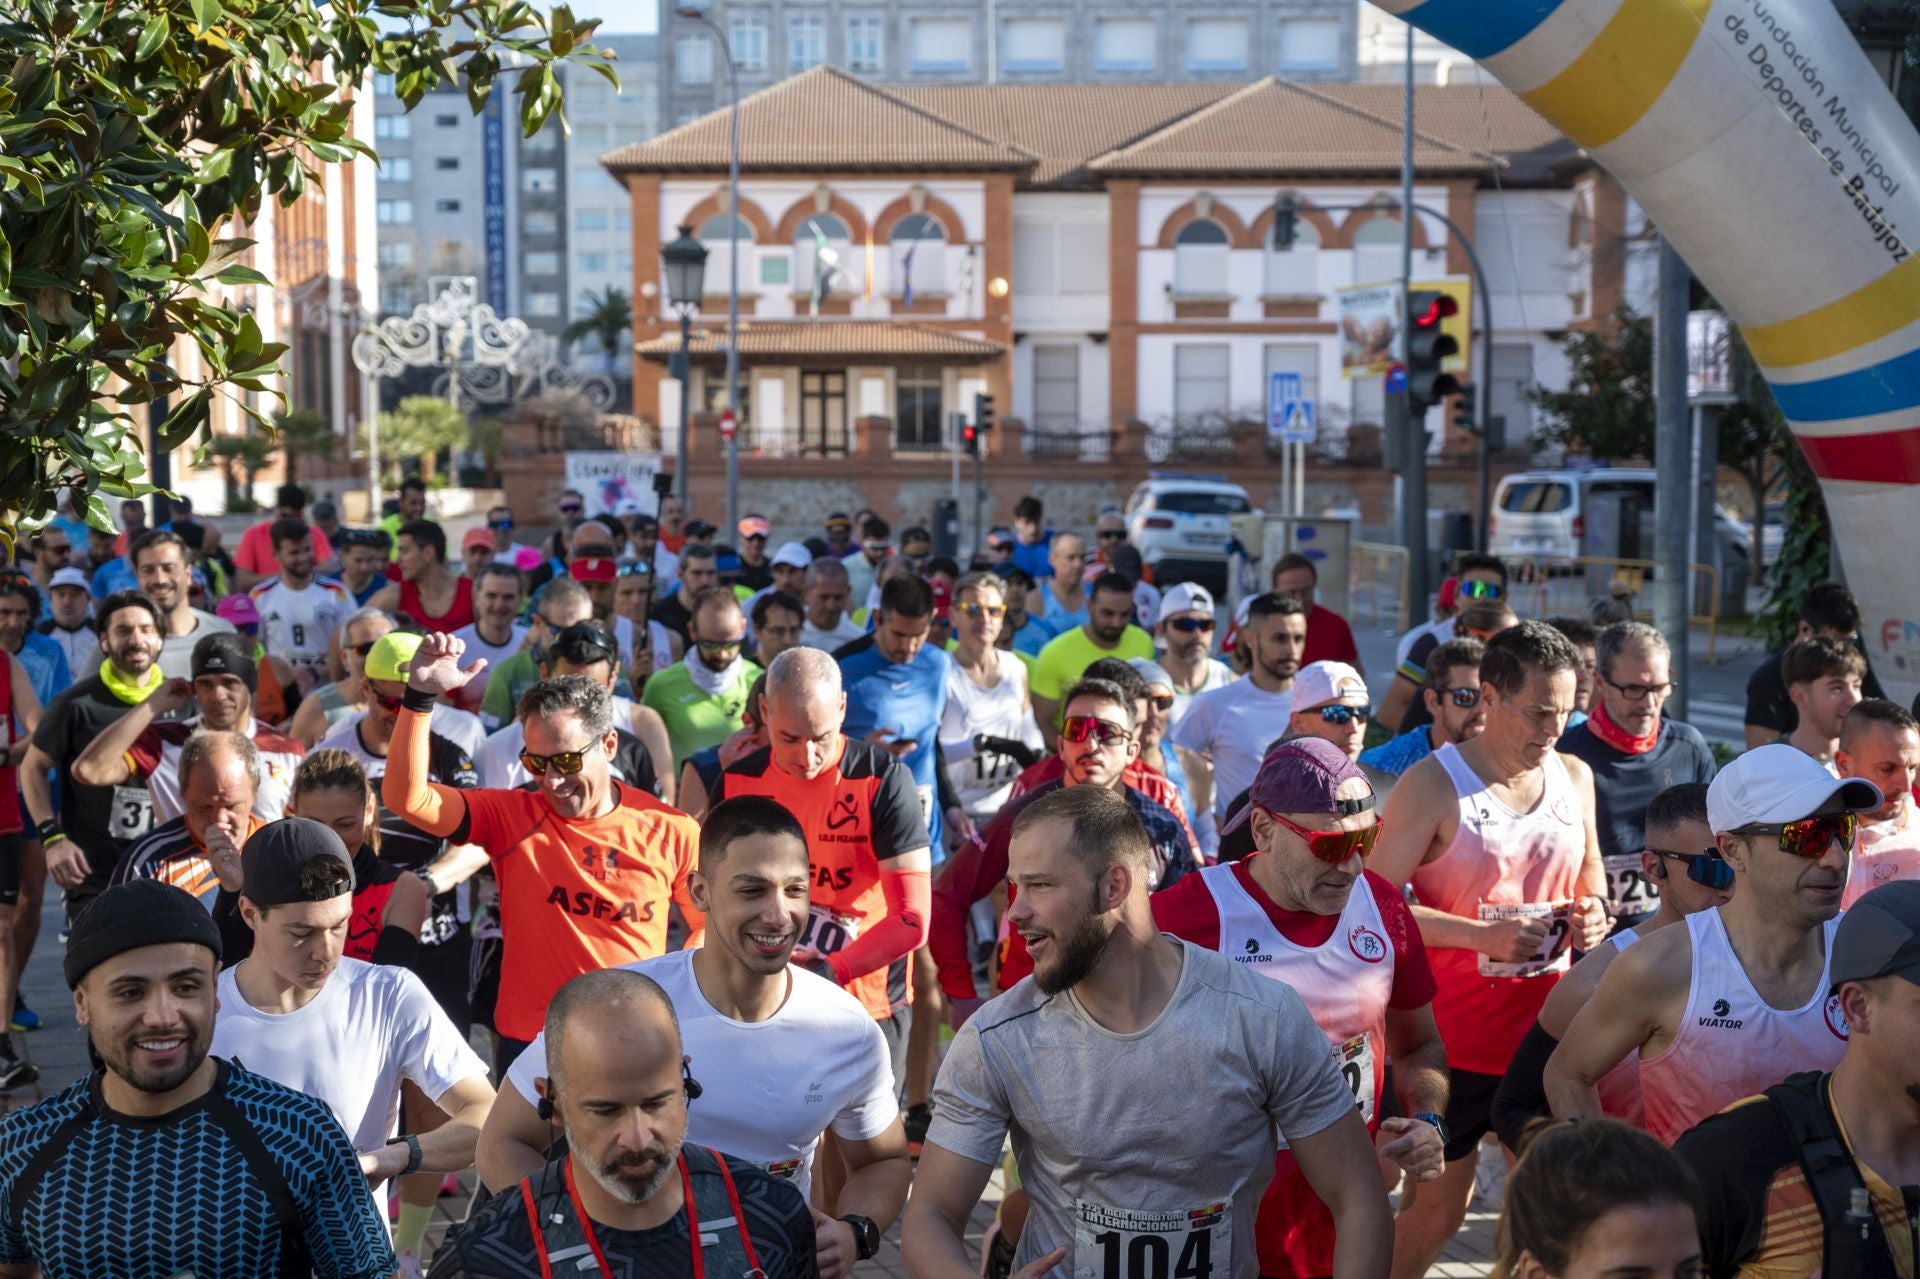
[{"x": 135, "y": 138}]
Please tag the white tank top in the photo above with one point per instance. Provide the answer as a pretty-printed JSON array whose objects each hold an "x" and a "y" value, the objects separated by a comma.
[
  {"x": 984, "y": 779},
  {"x": 1732, "y": 1044},
  {"x": 1345, "y": 981},
  {"x": 1619, "y": 1088},
  {"x": 1887, "y": 851}
]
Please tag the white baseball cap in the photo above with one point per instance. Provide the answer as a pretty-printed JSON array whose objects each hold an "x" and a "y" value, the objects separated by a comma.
[
  {"x": 1184, "y": 597},
  {"x": 1322, "y": 683},
  {"x": 69, "y": 576},
  {"x": 793, "y": 555},
  {"x": 1779, "y": 783}
]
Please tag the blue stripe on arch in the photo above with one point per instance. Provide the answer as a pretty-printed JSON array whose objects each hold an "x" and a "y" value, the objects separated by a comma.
[
  {"x": 1888, "y": 387},
  {"x": 1480, "y": 28}
]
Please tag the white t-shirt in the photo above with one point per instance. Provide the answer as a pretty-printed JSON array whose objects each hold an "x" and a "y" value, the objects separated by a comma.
[
  {"x": 1218, "y": 675},
  {"x": 846, "y": 632},
  {"x": 770, "y": 1088},
  {"x": 494, "y": 653},
  {"x": 296, "y": 624},
  {"x": 1001, "y": 711},
  {"x": 499, "y": 758},
  {"x": 370, "y": 1027},
  {"x": 1233, "y": 725}
]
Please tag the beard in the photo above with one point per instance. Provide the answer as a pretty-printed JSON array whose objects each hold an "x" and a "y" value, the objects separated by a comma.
[
  {"x": 1076, "y": 954},
  {"x": 124, "y": 1058},
  {"x": 633, "y": 1177}
]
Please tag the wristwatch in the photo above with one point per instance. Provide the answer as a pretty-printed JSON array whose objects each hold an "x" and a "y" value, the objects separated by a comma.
[
  {"x": 866, "y": 1236},
  {"x": 413, "y": 1154},
  {"x": 1439, "y": 1124},
  {"x": 425, "y": 876}
]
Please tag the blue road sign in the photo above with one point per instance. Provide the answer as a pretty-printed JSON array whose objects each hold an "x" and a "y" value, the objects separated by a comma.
[
  {"x": 1397, "y": 379},
  {"x": 1289, "y": 412}
]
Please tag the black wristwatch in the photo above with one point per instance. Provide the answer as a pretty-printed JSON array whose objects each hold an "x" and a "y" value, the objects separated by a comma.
[
  {"x": 866, "y": 1236},
  {"x": 1439, "y": 1124},
  {"x": 413, "y": 1154}
]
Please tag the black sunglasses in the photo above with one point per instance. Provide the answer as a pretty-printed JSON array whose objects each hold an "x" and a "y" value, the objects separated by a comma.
[
  {"x": 1191, "y": 624},
  {"x": 1708, "y": 868},
  {"x": 1113, "y": 535}
]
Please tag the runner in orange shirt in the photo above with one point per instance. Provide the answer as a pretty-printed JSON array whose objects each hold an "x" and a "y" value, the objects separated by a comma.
[{"x": 586, "y": 866}]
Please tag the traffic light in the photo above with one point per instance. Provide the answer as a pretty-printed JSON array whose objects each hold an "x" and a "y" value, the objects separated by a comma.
[
  {"x": 970, "y": 437},
  {"x": 982, "y": 423},
  {"x": 1428, "y": 347},
  {"x": 1463, "y": 415}
]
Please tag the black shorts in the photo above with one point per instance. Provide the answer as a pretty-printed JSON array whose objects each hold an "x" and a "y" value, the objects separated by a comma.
[
  {"x": 895, "y": 1030},
  {"x": 483, "y": 979},
  {"x": 445, "y": 970},
  {"x": 10, "y": 846},
  {"x": 1469, "y": 1110}
]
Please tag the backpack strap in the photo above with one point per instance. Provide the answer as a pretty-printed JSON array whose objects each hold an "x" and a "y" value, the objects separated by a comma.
[{"x": 1854, "y": 1248}]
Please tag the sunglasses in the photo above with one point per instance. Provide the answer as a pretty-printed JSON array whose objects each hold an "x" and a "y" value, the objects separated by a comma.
[
  {"x": 1160, "y": 701},
  {"x": 1113, "y": 535},
  {"x": 978, "y": 611},
  {"x": 1464, "y": 698},
  {"x": 1481, "y": 590},
  {"x": 721, "y": 646},
  {"x": 1638, "y": 692},
  {"x": 1189, "y": 625},
  {"x": 1338, "y": 714},
  {"x": 566, "y": 763},
  {"x": 391, "y": 705},
  {"x": 571, "y": 508},
  {"x": 1334, "y": 847},
  {"x": 1810, "y": 837},
  {"x": 1078, "y": 728},
  {"x": 1708, "y": 868},
  {"x": 500, "y": 526}
]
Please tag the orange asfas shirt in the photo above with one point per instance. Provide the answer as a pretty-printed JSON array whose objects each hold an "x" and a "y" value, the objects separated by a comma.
[{"x": 577, "y": 895}]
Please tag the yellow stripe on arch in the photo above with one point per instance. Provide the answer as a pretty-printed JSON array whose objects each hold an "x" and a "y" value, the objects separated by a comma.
[
  {"x": 1618, "y": 77},
  {"x": 1865, "y": 315}
]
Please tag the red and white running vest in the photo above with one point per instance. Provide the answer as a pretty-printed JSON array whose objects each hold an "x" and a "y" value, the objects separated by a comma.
[
  {"x": 1731, "y": 1043},
  {"x": 1619, "y": 1088},
  {"x": 1502, "y": 865},
  {"x": 1886, "y": 851}
]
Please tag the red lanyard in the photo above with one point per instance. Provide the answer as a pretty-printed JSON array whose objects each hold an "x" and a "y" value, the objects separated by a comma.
[{"x": 693, "y": 1222}]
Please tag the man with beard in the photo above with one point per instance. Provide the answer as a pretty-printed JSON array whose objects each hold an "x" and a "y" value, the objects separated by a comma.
[
  {"x": 1330, "y": 702},
  {"x": 143, "y": 745},
  {"x": 587, "y": 866},
  {"x": 254, "y": 557},
  {"x": 699, "y": 573},
  {"x": 1355, "y": 958},
  {"x": 1233, "y": 725},
  {"x": 1634, "y": 753},
  {"x": 299, "y": 609},
  {"x": 704, "y": 696},
  {"x": 43, "y": 659},
  {"x": 1880, "y": 743},
  {"x": 495, "y": 633},
  {"x": 1139, "y": 1008},
  {"x": 631, "y": 1194},
  {"x": 253, "y": 1178},
  {"x": 1739, "y": 998},
  {"x": 747, "y": 1014},
  {"x": 96, "y": 823},
  {"x": 160, "y": 560},
  {"x": 828, "y": 589},
  {"x": 1107, "y": 631},
  {"x": 1098, "y": 743},
  {"x": 428, "y": 592},
  {"x": 1184, "y": 624},
  {"x": 1452, "y": 695}
]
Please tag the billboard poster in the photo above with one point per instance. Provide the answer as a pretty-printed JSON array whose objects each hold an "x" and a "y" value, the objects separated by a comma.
[
  {"x": 1370, "y": 325},
  {"x": 608, "y": 479}
]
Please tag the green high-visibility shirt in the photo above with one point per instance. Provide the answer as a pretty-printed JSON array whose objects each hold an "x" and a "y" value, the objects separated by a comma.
[{"x": 695, "y": 718}]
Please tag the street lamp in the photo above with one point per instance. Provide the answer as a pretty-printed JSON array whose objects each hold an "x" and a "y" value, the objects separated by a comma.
[
  {"x": 701, "y": 11},
  {"x": 686, "y": 260},
  {"x": 1286, "y": 219}
]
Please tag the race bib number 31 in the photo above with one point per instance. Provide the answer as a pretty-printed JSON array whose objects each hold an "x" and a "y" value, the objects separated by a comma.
[
  {"x": 1123, "y": 1243},
  {"x": 1554, "y": 955},
  {"x": 132, "y": 811}
]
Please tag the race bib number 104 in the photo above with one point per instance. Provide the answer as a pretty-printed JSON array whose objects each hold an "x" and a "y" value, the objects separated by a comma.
[{"x": 1124, "y": 1243}]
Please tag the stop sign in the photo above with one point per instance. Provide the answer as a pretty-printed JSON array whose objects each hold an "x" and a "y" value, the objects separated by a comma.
[{"x": 728, "y": 426}]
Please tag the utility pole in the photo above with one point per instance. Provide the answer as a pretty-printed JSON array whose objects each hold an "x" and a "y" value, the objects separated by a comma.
[
  {"x": 1413, "y": 488},
  {"x": 1673, "y": 469}
]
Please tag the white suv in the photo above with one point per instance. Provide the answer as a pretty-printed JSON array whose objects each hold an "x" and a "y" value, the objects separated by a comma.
[{"x": 1181, "y": 525}]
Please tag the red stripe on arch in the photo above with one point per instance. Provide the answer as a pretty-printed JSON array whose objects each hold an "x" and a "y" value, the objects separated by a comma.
[{"x": 1882, "y": 457}]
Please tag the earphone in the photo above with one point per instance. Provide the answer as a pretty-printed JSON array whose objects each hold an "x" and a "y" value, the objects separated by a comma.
[{"x": 687, "y": 1081}]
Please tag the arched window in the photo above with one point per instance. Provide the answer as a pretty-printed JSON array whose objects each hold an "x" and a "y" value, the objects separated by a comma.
[
  {"x": 1376, "y": 250},
  {"x": 715, "y": 233},
  {"x": 919, "y": 254},
  {"x": 821, "y": 240},
  {"x": 1200, "y": 258},
  {"x": 1295, "y": 269}
]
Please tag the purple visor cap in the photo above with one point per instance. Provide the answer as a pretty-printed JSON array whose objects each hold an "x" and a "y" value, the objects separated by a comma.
[{"x": 1301, "y": 775}]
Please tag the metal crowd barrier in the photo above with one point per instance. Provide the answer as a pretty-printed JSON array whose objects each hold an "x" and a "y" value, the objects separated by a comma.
[{"x": 1542, "y": 588}]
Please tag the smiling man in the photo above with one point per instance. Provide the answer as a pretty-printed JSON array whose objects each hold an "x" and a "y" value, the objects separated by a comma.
[
  {"x": 1105, "y": 630},
  {"x": 746, "y": 1015}
]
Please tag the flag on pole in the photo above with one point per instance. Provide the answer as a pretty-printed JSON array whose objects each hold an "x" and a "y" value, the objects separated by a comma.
[{"x": 906, "y": 276}]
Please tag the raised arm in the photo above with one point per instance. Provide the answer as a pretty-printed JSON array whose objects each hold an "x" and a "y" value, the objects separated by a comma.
[
  {"x": 436, "y": 809},
  {"x": 104, "y": 761}
]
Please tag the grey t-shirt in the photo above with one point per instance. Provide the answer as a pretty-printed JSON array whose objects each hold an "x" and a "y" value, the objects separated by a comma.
[
  {"x": 176, "y": 651},
  {"x": 1136, "y": 1188}
]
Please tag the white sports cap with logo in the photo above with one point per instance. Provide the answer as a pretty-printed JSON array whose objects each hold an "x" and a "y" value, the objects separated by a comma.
[
  {"x": 1323, "y": 683},
  {"x": 793, "y": 555},
  {"x": 1776, "y": 783},
  {"x": 1185, "y": 597}
]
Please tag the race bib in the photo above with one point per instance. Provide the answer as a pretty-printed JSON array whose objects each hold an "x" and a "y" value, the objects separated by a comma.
[
  {"x": 991, "y": 768},
  {"x": 1630, "y": 892},
  {"x": 1355, "y": 1061},
  {"x": 828, "y": 932},
  {"x": 132, "y": 814},
  {"x": 1554, "y": 955},
  {"x": 1122, "y": 1243}
]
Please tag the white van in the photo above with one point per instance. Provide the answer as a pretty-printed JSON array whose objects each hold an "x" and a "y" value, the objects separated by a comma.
[{"x": 1543, "y": 514}]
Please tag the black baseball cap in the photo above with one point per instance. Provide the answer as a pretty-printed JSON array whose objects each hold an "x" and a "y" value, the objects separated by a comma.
[
  {"x": 1879, "y": 936},
  {"x": 226, "y": 653},
  {"x": 277, "y": 854}
]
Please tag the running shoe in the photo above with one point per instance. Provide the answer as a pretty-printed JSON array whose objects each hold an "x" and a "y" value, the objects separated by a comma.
[
  {"x": 24, "y": 1018},
  {"x": 16, "y": 1073},
  {"x": 450, "y": 1185},
  {"x": 919, "y": 1117},
  {"x": 410, "y": 1267}
]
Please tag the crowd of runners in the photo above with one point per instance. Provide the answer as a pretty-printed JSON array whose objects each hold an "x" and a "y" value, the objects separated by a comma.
[{"x": 717, "y": 907}]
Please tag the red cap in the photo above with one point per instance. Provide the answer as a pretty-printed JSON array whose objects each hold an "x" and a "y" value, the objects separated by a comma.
[
  {"x": 477, "y": 537},
  {"x": 597, "y": 569}
]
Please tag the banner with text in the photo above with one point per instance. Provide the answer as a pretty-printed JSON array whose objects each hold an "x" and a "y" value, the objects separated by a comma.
[{"x": 607, "y": 479}]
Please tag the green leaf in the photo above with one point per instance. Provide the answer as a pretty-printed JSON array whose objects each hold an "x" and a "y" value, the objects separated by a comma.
[
  {"x": 187, "y": 417},
  {"x": 152, "y": 37},
  {"x": 560, "y": 25},
  {"x": 205, "y": 12}
]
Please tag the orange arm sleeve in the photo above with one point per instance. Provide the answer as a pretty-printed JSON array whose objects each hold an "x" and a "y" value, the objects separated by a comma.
[
  {"x": 438, "y": 810},
  {"x": 909, "y": 895}
]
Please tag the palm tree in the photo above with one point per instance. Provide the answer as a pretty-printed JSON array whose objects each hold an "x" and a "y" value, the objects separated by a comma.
[{"x": 607, "y": 317}]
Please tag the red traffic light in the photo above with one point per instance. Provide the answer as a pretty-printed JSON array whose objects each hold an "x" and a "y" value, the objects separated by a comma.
[{"x": 1439, "y": 307}]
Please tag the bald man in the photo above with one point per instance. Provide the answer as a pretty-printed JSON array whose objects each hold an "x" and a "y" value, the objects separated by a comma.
[{"x": 619, "y": 1087}]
